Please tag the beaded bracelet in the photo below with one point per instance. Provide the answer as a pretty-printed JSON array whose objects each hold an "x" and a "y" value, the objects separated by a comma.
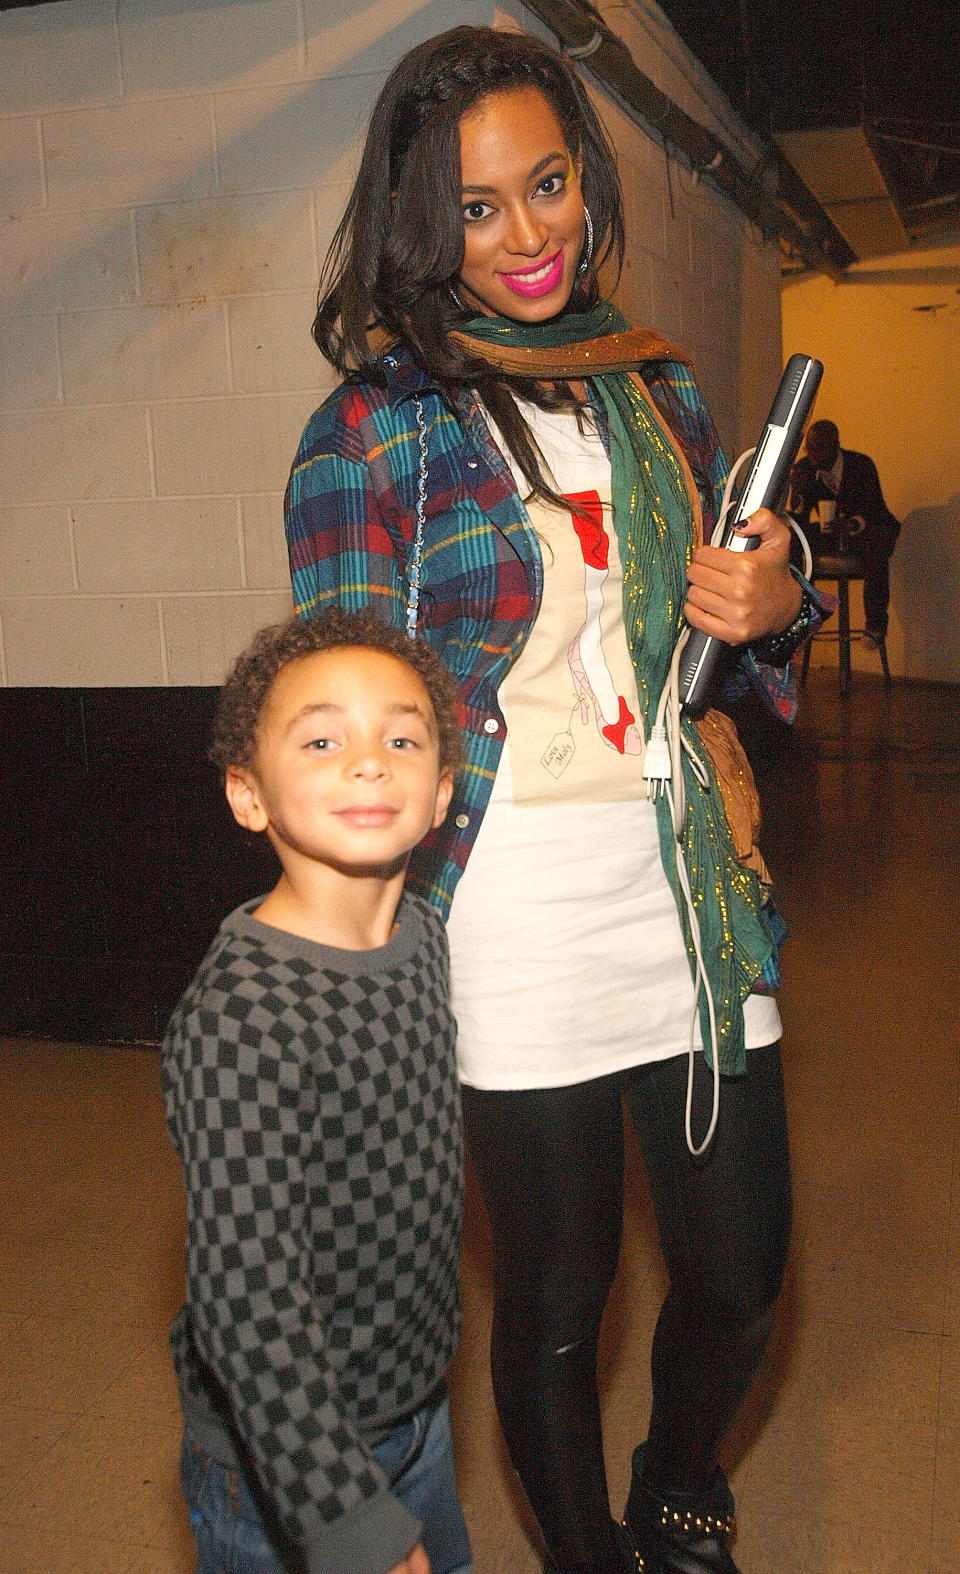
[{"x": 775, "y": 650}]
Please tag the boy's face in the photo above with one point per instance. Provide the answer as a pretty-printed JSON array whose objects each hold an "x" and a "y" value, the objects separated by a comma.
[{"x": 347, "y": 768}]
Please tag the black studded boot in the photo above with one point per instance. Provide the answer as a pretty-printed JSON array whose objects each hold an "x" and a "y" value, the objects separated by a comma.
[{"x": 680, "y": 1532}]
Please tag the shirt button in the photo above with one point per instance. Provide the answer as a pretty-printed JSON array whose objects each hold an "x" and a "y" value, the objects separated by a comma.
[
  {"x": 463, "y": 820},
  {"x": 491, "y": 725}
]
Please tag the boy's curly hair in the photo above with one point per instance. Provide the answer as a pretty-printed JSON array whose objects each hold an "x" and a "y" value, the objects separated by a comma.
[{"x": 244, "y": 694}]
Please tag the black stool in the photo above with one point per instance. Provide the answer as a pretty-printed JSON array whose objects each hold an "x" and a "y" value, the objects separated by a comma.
[{"x": 842, "y": 567}]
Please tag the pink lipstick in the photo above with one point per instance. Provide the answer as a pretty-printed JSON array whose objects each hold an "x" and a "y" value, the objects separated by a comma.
[{"x": 533, "y": 282}]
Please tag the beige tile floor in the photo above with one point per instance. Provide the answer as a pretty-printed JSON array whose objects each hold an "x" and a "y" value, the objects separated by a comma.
[{"x": 847, "y": 1460}]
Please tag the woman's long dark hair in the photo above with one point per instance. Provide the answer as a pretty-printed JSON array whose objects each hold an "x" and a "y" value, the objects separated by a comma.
[{"x": 399, "y": 246}]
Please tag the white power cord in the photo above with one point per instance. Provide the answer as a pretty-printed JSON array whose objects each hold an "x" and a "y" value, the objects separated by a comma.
[
  {"x": 663, "y": 772},
  {"x": 805, "y": 545},
  {"x": 700, "y": 981}
]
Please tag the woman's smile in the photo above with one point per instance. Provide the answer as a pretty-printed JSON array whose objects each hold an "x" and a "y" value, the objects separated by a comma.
[
  {"x": 523, "y": 222},
  {"x": 536, "y": 281}
]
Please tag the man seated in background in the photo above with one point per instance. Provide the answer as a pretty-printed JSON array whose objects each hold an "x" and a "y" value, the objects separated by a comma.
[{"x": 830, "y": 473}]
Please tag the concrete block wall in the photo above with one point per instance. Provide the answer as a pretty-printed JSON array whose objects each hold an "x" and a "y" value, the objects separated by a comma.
[
  {"x": 696, "y": 267},
  {"x": 170, "y": 175}
]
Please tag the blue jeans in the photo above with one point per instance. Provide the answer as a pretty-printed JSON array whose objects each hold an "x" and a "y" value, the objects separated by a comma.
[{"x": 417, "y": 1458}]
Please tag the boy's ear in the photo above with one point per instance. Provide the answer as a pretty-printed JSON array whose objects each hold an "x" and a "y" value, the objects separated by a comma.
[
  {"x": 444, "y": 794},
  {"x": 243, "y": 796}
]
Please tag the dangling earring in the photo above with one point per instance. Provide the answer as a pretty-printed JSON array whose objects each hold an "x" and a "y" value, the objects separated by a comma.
[
  {"x": 588, "y": 254},
  {"x": 456, "y": 299}
]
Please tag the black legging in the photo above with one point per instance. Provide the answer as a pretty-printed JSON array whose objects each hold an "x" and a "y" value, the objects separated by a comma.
[{"x": 550, "y": 1164}]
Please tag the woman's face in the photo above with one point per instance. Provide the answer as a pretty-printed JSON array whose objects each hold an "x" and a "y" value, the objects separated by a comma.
[{"x": 523, "y": 223}]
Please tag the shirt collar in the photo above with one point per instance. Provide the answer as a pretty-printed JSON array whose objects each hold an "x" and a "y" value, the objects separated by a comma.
[{"x": 834, "y": 475}]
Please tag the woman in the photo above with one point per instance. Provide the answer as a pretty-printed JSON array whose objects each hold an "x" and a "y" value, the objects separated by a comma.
[{"x": 522, "y": 479}]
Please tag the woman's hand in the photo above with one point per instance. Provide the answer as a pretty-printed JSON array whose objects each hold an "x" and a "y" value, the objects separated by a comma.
[
  {"x": 741, "y": 596},
  {"x": 416, "y": 1563}
]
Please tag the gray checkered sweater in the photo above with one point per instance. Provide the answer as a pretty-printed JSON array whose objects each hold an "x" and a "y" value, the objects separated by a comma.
[{"x": 312, "y": 1097}]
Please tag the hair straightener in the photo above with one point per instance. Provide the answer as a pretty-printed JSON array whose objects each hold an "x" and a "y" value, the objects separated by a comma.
[{"x": 764, "y": 487}]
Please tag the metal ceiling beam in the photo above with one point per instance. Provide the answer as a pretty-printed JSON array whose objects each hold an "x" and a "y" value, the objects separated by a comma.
[
  {"x": 797, "y": 218},
  {"x": 838, "y": 164}
]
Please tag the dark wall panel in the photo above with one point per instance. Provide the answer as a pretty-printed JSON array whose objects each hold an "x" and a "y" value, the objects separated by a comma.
[{"x": 118, "y": 858}]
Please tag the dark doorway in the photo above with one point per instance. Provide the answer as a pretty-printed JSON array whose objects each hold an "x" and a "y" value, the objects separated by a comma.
[{"x": 118, "y": 858}]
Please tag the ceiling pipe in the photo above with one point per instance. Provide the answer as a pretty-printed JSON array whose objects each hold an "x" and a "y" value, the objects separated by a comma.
[{"x": 792, "y": 213}]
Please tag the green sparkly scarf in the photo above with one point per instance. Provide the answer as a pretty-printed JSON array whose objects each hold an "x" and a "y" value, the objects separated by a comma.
[{"x": 653, "y": 512}]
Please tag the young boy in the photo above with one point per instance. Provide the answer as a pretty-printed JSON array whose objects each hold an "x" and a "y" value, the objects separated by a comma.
[{"x": 310, "y": 1090}]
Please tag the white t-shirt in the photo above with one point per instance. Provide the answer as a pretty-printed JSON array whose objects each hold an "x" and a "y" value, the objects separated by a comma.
[{"x": 568, "y": 960}]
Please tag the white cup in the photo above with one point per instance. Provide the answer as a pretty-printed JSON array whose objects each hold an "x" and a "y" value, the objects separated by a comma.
[{"x": 827, "y": 512}]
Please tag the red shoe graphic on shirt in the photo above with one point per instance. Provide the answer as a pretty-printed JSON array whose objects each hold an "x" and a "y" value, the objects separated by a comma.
[
  {"x": 592, "y": 680},
  {"x": 622, "y": 734}
]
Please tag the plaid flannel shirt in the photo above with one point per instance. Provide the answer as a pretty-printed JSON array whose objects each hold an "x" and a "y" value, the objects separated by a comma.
[{"x": 351, "y": 517}]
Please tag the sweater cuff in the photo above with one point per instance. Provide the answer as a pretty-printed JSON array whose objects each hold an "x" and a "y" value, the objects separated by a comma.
[{"x": 372, "y": 1540}]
